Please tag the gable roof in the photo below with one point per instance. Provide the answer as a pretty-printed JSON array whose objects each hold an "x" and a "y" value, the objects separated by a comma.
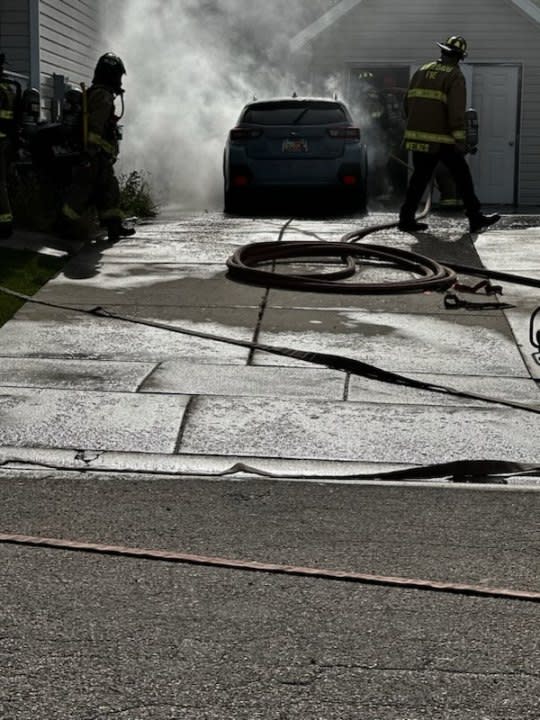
[{"x": 529, "y": 7}]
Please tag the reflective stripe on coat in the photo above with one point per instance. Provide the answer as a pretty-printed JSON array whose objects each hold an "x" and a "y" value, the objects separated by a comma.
[{"x": 435, "y": 107}]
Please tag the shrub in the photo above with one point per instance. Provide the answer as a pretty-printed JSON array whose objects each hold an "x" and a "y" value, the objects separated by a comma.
[
  {"x": 135, "y": 195},
  {"x": 36, "y": 204}
]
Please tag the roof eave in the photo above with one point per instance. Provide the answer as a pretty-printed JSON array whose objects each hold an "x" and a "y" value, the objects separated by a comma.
[
  {"x": 529, "y": 8},
  {"x": 315, "y": 28},
  {"x": 331, "y": 16}
]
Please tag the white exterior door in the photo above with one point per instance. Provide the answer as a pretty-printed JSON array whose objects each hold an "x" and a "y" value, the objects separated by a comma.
[{"x": 494, "y": 95}]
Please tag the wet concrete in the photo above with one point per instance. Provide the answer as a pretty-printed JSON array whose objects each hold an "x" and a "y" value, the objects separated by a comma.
[{"x": 116, "y": 387}]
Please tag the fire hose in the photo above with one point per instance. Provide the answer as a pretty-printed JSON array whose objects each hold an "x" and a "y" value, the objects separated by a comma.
[
  {"x": 243, "y": 266},
  {"x": 257, "y": 566}
]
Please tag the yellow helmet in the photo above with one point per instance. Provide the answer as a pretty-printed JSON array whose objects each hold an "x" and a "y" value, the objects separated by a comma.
[{"x": 455, "y": 45}]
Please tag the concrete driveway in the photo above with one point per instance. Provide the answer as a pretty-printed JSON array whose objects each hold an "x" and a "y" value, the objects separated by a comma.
[{"x": 75, "y": 385}]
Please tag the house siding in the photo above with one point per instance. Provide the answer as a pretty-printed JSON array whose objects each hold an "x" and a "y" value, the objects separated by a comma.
[
  {"x": 15, "y": 35},
  {"x": 376, "y": 32},
  {"x": 69, "y": 35}
]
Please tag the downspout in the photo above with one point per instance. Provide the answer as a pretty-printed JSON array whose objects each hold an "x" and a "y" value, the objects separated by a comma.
[{"x": 34, "y": 27}]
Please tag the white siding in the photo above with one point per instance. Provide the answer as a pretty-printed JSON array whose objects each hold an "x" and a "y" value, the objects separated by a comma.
[
  {"x": 69, "y": 33},
  {"x": 404, "y": 33},
  {"x": 14, "y": 34}
]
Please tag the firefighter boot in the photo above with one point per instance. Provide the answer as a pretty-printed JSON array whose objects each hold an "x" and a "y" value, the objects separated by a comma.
[
  {"x": 116, "y": 230},
  {"x": 480, "y": 222},
  {"x": 6, "y": 230},
  {"x": 410, "y": 224}
]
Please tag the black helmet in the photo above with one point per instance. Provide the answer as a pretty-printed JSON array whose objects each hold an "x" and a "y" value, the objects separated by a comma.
[
  {"x": 109, "y": 71},
  {"x": 454, "y": 45}
]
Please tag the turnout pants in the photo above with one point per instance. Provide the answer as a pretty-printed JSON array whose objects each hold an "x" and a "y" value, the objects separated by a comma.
[
  {"x": 94, "y": 183},
  {"x": 424, "y": 165}
]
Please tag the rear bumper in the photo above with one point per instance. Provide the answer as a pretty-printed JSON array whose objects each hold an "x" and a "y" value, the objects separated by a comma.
[
  {"x": 245, "y": 178},
  {"x": 243, "y": 172},
  {"x": 313, "y": 199}
]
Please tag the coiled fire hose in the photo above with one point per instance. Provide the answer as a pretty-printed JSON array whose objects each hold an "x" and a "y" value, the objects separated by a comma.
[
  {"x": 243, "y": 266},
  {"x": 432, "y": 275}
]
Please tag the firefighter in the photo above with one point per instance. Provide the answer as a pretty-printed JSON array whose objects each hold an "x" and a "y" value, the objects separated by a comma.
[
  {"x": 8, "y": 100},
  {"x": 393, "y": 124},
  {"x": 435, "y": 132},
  {"x": 372, "y": 115},
  {"x": 94, "y": 181},
  {"x": 450, "y": 198}
]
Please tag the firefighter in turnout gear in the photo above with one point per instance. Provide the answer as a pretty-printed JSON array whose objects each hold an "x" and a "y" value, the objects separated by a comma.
[
  {"x": 435, "y": 132},
  {"x": 8, "y": 126},
  {"x": 372, "y": 110},
  {"x": 94, "y": 181}
]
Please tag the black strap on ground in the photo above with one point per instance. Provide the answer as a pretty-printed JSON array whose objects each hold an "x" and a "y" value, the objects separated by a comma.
[
  {"x": 332, "y": 361},
  {"x": 476, "y": 472},
  {"x": 452, "y": 301},
  {"x": 484, "y": 285}
]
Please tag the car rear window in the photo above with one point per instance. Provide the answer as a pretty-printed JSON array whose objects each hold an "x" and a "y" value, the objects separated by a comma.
[{"x": 294, "y": 113}]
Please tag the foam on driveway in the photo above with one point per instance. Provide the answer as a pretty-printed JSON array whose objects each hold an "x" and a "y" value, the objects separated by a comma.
[
  {"x": 130, "y": 422},
  {"x": 353, "y": 431},
  {"x": 73, "y": 382}
]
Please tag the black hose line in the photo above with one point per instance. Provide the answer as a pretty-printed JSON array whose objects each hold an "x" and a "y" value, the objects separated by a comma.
[
  {"x": 242, "y": 265},
  {"x": 433, "y": 275},
  {"x": 494, "y": 275}
]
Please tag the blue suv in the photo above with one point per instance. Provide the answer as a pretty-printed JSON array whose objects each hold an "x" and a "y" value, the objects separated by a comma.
[{"x": 304, "y": 148}]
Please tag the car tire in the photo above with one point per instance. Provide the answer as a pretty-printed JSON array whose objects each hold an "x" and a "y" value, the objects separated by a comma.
[
  {"x": 231, "y": 204},
  {"x": 363, "y": 199}
]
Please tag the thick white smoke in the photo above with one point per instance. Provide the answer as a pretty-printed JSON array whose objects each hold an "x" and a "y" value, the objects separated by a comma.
[{"x": 191, "y": 66}]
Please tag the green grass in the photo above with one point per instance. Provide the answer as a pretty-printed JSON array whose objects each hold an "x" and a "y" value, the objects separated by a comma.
[
  {"x": 35, "y": 208},
  {"x": 26, "y": 272}
]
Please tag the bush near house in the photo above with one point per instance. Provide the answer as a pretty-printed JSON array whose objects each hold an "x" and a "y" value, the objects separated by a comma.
[
  {"x": 35, "y": 204},
  {"x": 136, "y": 196}
]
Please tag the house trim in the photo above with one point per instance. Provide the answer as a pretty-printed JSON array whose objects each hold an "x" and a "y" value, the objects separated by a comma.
[
  {"x": 325, "y": 21},
  {"x": 529, "y": 8},
  {"x": 35, "y": 45},
  {"x": 330, "y": 16}
]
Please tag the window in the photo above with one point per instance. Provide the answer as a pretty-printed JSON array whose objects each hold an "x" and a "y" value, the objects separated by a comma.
[{"x": 295, "y": 113}]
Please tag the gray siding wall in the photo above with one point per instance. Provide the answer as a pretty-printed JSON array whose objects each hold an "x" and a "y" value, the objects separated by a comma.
[
  {"x": 69, "y": 33},
  {"x": 389, "y": 32},
  {"x": 14, "y": 35}
]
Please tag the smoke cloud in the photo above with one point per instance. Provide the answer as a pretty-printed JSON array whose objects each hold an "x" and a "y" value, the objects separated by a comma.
[{"x": 191, "y": 66}]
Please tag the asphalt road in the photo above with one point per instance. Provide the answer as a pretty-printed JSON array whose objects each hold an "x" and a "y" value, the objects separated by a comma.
[{"x": 91, "y": 636}]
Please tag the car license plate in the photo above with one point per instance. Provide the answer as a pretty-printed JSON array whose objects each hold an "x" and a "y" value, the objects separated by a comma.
[{"x": 295, "y": 145}]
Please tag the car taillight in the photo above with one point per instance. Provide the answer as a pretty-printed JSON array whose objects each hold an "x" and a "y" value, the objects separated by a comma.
[
  {"x": 240, "y": 180},
  {"x": 348, "y": 133},
  {"x": 243, "y": 134},
  {"x": 349, "y": 179}
]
